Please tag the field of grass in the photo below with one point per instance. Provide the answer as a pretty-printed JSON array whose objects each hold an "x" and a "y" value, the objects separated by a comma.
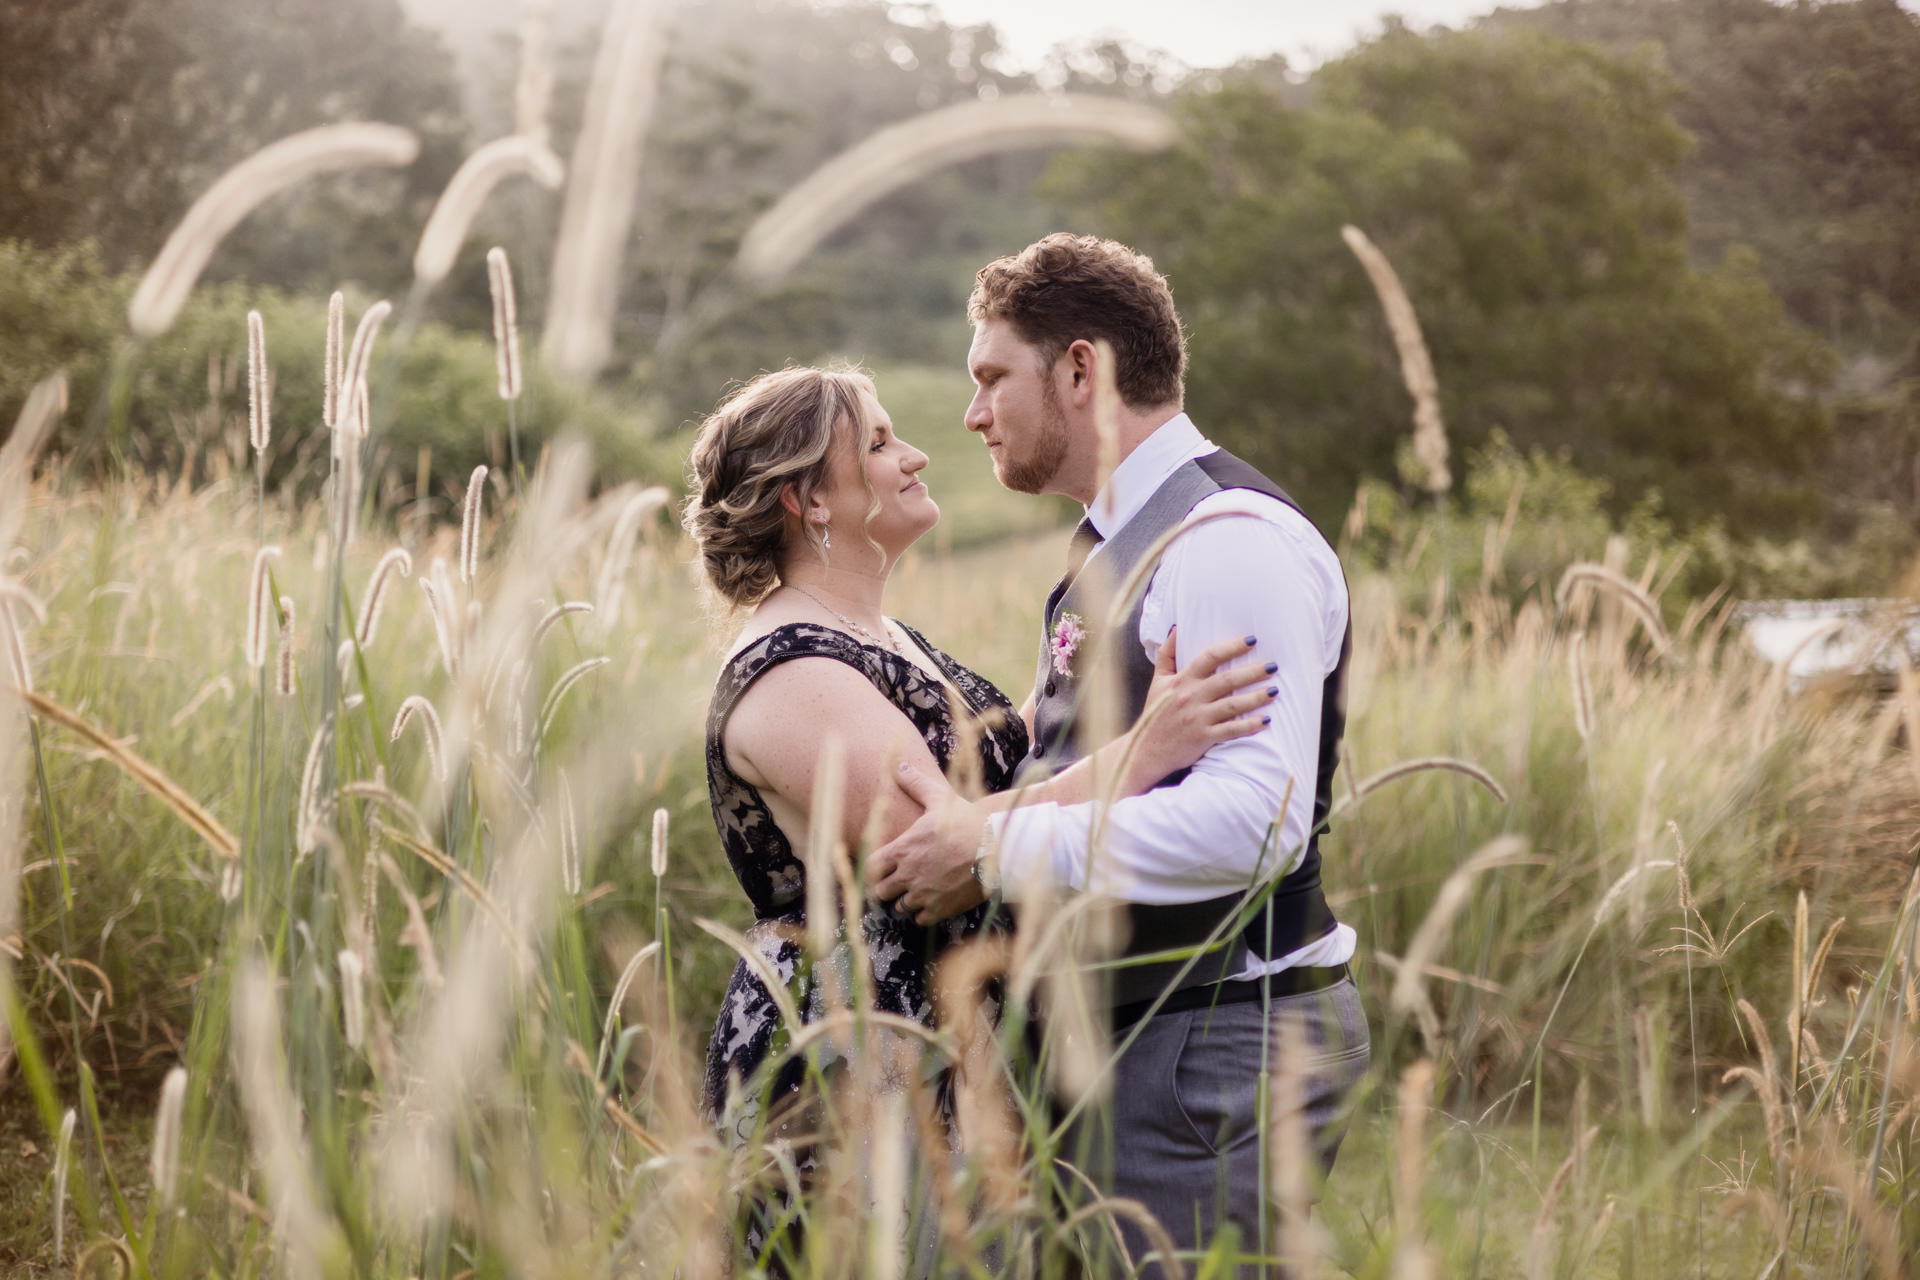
[{"x": 1649, "y": 1011}]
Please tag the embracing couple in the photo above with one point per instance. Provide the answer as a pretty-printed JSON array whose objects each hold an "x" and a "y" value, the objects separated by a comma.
[{"x": 804, "y": 500}]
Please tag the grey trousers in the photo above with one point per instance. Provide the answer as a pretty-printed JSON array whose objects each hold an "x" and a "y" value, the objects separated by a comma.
[{"x": 1180, "y": 1134}]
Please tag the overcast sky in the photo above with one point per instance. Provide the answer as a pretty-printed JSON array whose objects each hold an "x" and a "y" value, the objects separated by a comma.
[{"x": 1206, "y": 33}]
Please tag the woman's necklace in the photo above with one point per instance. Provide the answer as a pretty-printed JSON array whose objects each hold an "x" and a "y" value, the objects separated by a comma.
[{"x": 889, "y": 641}]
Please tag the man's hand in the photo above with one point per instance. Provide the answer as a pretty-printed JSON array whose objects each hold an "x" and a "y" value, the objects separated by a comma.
[{"x": 928, "y": 867}]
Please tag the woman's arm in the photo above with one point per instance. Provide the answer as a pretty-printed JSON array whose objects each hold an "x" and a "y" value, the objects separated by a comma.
[
  {"x": 932, "y": 870},
  {"x": 777, "y": 737},
  {"x": 1188, "y": 712}
]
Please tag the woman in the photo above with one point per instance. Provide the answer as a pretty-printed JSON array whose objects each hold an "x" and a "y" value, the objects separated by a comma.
[{"x": 804, "y": 500}]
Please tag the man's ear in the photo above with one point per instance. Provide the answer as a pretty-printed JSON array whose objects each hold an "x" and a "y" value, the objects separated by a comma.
[{"x": 1081, "y": 358}]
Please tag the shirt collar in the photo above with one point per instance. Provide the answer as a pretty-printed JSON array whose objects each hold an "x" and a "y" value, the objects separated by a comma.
[{"x": 1143, "y": 471}]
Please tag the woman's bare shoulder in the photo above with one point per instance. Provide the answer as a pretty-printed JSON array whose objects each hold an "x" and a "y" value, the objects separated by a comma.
[{"x": 769, "y": 616}]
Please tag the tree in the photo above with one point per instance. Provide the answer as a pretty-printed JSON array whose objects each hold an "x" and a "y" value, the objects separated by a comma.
[
  {"x": 116, "y": 114},
  {"x": 1807, "y": 120},
  {"x": 754, "y": 97},
  {"x": 1524, "y": 189}
]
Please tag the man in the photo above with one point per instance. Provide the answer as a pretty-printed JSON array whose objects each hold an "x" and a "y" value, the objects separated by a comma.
[{"x": 1191, "y": 856}]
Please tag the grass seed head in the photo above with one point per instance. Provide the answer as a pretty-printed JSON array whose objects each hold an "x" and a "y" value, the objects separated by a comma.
[
  {"x": 15, "y": 646},
  {"x": 353, "y": 997},
  {"x": 596, "y": 216},
  {"x": 613, "y": 568},
  {"x": 242, "y": 189},
  {"x": 162, "y": 787},
  {"x": 259, "y": 394},
  {"x": 506, "y": 322},
  {"x": 569, "y": 839},
  {"x": 533, "y": 88},
  {"x": 568, "y": 678},
  {"x": 484, "y": 169},
  {"x": 1416, "y": 365},
  {"x": 394, "y": 561},
  {"x": 414, "y": 705},
  {"x": 552, "y": 616},
  {"x": 260, "y": 601},
  {"x": 782, "y": 237},
  {"x": 354, "y": 423},
  {"x": 438, "y": 586},
  {"x": 618, "y": 1000},
  {"x": 62, "y": 1166},
  {"x": 824, "y": 822},
  {"x": 330, "y": 370},
  {"x": 31, "y": 429},
  {"x": 311, "y": 1238},
  {"x": 470, "y": 512},
  {"x": 659, "y": 843},
  {"x": 1409, "y": 985},
  {"x": 1638, "y": 602},
  {"x": 1582, "y": 695},
  {"x": 283, "y": 679},
  {"x": 307, "y": 815},
  {"x": 165, "y": 1164}
]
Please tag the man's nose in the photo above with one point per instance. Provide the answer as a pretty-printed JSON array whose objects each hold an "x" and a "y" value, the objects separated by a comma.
[{"x": 978, "y": 418}]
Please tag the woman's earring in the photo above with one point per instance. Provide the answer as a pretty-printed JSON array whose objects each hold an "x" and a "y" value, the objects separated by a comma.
[{"x": 826, "y": 539}]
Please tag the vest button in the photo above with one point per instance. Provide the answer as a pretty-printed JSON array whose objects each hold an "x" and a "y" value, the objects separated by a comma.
[
  {"x": 1049, "y": 688},
  {"x": 1039, "y": 751}
]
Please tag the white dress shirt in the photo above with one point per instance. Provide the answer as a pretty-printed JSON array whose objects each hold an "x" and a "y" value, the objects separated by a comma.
[{"x": 1271, "y": 576}]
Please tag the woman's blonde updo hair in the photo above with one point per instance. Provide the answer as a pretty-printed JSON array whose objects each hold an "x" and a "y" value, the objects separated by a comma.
[{"x": 772, "y": 431}]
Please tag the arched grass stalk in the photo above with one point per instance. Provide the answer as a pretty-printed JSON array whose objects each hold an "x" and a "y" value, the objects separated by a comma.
[
  {"x": 1416, "y": 365},
  {"x": 568, "y": 678},
  {"x": 471, "y": 511},
  {"x": 603, "y": 180},
  {"x": 158, "y": 784},
  {"x": 239, "y": 191},
  {"x": 616, "y": 1001},
  {"x": 484, "y": 169},
  {"x": 506, "y": 345}
]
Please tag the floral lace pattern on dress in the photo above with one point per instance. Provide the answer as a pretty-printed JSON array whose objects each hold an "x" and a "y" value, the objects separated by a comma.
[{"x": 774, "y": 876}]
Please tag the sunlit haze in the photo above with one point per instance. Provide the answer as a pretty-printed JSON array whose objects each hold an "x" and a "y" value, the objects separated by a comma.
[{"x": 1203, "y": 33}]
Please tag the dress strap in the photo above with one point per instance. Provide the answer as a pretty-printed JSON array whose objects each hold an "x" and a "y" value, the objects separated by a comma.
[{"x": 783, "y": 644}]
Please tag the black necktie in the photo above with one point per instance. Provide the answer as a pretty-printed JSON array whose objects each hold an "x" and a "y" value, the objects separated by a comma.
[{"x": 1085, "y": 539}]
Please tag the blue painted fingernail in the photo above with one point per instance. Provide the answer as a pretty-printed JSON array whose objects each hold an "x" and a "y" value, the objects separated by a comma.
[
  {"x": 1272, "y": 667},
  {"x": 1273, "y": 691},
  {"x": 1266, "y": 719},
  {"x": 1252, "y": 641}
]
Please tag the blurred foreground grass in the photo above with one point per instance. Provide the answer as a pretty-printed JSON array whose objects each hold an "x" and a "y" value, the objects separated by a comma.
[{"x": 1646, "y": 964}]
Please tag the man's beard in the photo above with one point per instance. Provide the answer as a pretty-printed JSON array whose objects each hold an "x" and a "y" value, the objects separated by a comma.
[{"x": 1049, "y": 448}]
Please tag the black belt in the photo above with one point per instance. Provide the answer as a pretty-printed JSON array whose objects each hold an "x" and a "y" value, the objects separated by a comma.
[{"x": 1297, "y": 981}]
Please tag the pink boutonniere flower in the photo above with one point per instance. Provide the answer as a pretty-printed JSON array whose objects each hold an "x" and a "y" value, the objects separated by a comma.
[{"x": 1068, "y": 631}]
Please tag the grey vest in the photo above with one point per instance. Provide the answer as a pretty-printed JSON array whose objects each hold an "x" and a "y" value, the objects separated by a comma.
[{"x": 1296, "y": 913}]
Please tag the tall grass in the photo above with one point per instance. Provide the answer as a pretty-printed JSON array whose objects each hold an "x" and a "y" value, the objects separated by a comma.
[
  {"x": 1665, "y": 966},
  {"x": 398, "y": 953}
]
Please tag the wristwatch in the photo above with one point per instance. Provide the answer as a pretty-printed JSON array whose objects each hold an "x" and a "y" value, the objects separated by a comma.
[{"x": 986, "y": 862}]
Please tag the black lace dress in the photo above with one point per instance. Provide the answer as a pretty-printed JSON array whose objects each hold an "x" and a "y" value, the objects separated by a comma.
[{"x": 774, "y": 874}]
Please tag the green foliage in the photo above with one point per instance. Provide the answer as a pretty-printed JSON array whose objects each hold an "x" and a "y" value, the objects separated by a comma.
[
  {"x": 1512, "y": 528},
  {"x": 1537, "y": 991},
  {"x": 1807, "y": 133},
  {"x": 183, "y": 406},
  {"x": 1521, "y": 518},
  {"x": 116, "y": 114},
  {"x": 1524, "y": 189}
]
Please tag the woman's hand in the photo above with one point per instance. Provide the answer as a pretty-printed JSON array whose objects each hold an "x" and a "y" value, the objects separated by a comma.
[{"x": 1192, "y": 709}]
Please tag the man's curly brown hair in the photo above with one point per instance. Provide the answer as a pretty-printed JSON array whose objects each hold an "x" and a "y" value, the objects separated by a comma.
[{"x": 1065, "y": 287}]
